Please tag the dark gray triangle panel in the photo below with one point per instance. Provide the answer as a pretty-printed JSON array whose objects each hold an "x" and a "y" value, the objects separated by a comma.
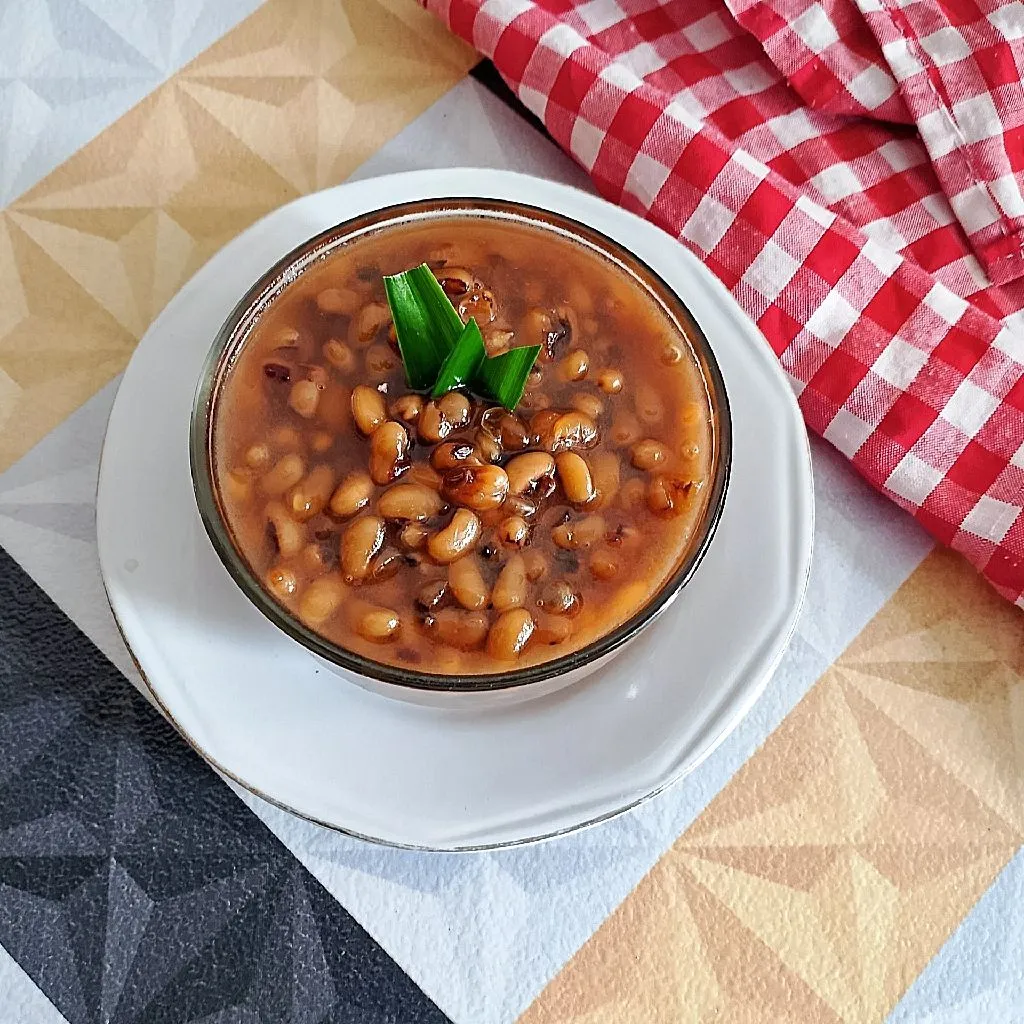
[{"x": 135, "y": 888}]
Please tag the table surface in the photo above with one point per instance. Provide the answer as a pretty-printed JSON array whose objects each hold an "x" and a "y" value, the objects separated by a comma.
[{"x": 851, "y": 853}]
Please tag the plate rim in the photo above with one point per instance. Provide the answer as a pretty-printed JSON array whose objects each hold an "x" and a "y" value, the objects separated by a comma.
[{"x": 732, "y": 713}]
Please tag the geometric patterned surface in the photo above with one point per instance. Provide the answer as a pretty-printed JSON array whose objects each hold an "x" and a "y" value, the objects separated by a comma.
[
  {"x": 290, "y": 101},
  {"x": 134, "y": 886},
  {"x": 828, "y": 872}
]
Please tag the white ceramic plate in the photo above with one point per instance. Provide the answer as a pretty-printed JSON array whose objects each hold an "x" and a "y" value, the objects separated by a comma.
[{"x": 264, "y": 711}]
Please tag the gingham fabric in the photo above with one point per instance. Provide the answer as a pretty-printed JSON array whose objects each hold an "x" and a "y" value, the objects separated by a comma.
[{"x": 832, "y": 231}]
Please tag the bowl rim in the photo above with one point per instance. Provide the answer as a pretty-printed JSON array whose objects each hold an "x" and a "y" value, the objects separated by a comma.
[{"x": 230, "y": 339}]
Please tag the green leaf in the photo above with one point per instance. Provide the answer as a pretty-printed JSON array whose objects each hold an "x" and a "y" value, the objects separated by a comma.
[
  {"x": 426, "y": 323},
  {"x": 462, "y": 363},
  {"x": 504, "y": 377}
]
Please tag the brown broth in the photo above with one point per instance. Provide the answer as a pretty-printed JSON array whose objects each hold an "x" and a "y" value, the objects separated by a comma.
[{"x": 285, "y": 439}]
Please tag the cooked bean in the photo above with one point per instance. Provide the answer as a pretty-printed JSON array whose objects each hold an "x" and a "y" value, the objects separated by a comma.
[
  {"x": 574, "y": 366},
  {"x": 648, "y": 454},
  {"x": 424, "y": 473},
  {"x": 507, "y": 428},
  {"x": 467, "y": 583},
  {"x": 367, "y": 323},
  {"x": 285, "y": 473},
  {"x": 304, "y": 397},
  {"x": 625, "y": 430},
  {"x": 238, "y": 485},
  {"x": 691, "y": 414},
  {"x": 337, "y": 301},
  {"x": 559, "y": 598},
  {"x": 339, "y": 355},
  {"x": 317, "y": 375},
  {"x": 633, "y": 494},
  {"x": 454, "y": 455},
  {"x": 610, "y": 381},
  {"x": 456, "y": 539},
  {"x": 603, "y": 566},
  {"x": 536, "y": 564},
  {"x": 322, "y": 598},
  {"x": 605, "y": 471},
  {"x": 477, "y": 487},
  {"x": 518, "y": 505},
  {"x": 650, "y": 409},
  {"x": 432, "y": 425},
  {"x": 312, "y": 493},
  {"x": 287, "y": 439},
  {"x": 367, "y": 408},
  {"x": 334, "y": 408},
  {"x": 510, "y": 586},
  {"x": 380, "y": 360},
  {"x": 409, "y": 501},
  {"x": 432, "y": 594},
  {"x": 257, "y": 456},
  {"x": 541, "y": 423},
  {"x": 668, "y": 494},
  {"x": 386, "y": 565},
  {"x": 287, "y": 337},
  {"x": 389, "y": 452},
  {"x": 352, "y": 494},
  {"x": 510, "y": 634},
  {"x": 526, "y": 471},
  {"x": 456, "y": 409},
  {"x": 407, "y": 408},
  {"x": 574, "y": 474},
  {"x": 514, "y": 531},
  {"x": 318, "y": 557},
  {"x": 588, "y": 404},
  {"x": 583, "y": 533},
  {"x": 321, "y": 441},
  {"x": 623, "y": 536},
  {"x": 487, "y": 445},
  {"x": 464, "y": 630},
  {"x": 551, "y": 629},
  {"x": 671, "y": 354},
  {"x": 359, "y": 543},
  {"x": 572, "y": 430},
  {"x": 413, "y": 536},
  {"x": 281, "y": 582},
  {"x": 378, "y": 624},
  {"x": 497, "y": 340},
  {"x": 564, "y": 536},
  {"x": 289, "y": 535},
  {"x": 456, "y": 281}
]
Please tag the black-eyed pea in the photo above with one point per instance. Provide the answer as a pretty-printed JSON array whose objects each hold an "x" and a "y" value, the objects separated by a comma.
[
  {"x": 589, "y": 530},
  {"x": 412, "y": 501},
  {"x": 603, "y": 566},
  {"x": 339, "y": 354},
  {"x": 312, "y": 493},
  {"x": 321, "y": 441},
  {"x": 432, "y": 595},
  {"x": 351, "y": 495},
  {"x": 518, "y": 505},
  {"x": 625, "y": 430},
  {"x": 304, "y": 397},
  {"x": 648, "y": 454},
  {"x": 526, "y": 471},
  {"x": 284, "y": 474},
  {"x": 317, "y": 375},
  {"x": 536, "y": 564},
  {"x": 432, "y": 425},
  {"x": 605, "y": 471},
  {"x": 633, "y": 493},
  {"x": 454, "y": 455},
  {"x": 467, "y": 583},
  {"x": 588, "y": 404},
  {"x": 238, "y": 485},
  {"x": 334, "y": 408},
  {"x": 289, "y": 535},
  {"x": 458, "y": 538},
  {"x": 455, "y": 281},
  {"x": 337, "y": 301},
  {"x": 386, "y": 565},
  {"x": 691, "y": 414},
  {"x": 514, "y": 531},
  {"x": 367, "y": 323},
  {"x": 359, "y": 543},
  {"x": 551, "y": 629},
  {"x": 286, "y": 439},
  {"x": 367, "y": 408},
  {"x": 282, "y": 582},
  {"x": 321, "y": 599},
  {"x": 497, "y": 340},
  {"x": 572, "y": 430},
  {"x": 424, "y": 473},
  {"x": 575, "y": 477},
  {"x": 456, "y": 409},
  {"x": 463, "y": 630},
  {"x": 287, "y": 337},
  {"x": 610, "y": 381},
  {"x": 380, "y": 360},
  {"x": 406, "y": 409},
  {"x": 510, "y": 586},
  {"x": 650, "y": 409},
  {"x": 480, "y": 488},
  {"x": 257, "y": 456},
  {"x": 668, "y": 494},
  {"x": 671, "y": 354},
  {"x": 574, "y": 365},
  {"x": 413, "y": 536},
  {"x": 377, "y": 624},
  {"x": 559, "y": 598},
  {"x": 389, "y": 452},
  {"x": 487, "y": 445},
  {"x": 510, "y": 634}
]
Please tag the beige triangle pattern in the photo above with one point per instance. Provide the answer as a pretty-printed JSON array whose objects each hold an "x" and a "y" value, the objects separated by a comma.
[
  {"x": 822, "y": 879},
  {"x": 291, "y": 100}
]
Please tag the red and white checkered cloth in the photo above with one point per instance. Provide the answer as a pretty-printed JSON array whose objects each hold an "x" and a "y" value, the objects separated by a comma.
[{"x": 853, "y": 171}]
